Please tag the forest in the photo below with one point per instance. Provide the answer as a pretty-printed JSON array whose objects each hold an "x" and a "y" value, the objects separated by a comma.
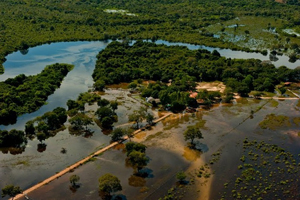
[
  {"x": 169, "y": 74},
  {"x": 25, "y": 94},
  {"x": 29, "y": 23},
  {"x": 181, "y": 67}
]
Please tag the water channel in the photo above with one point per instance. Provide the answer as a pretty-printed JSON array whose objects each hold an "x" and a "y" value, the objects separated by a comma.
[
  {"x": 83, "y": 56},
  {"x": 31, "y": 166}
]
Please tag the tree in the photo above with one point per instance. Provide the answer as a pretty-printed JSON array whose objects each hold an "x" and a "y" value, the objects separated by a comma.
[
  {"x": 129, "y": 133},
  {"x": 117, "y": 134},
  {"x": 74, "y": 179},
  {"x": 43, "y": 127},
  {"x": 109, "y": 183},
  {"x": 41, "y": 136},
  {"x": 192, "y": 133},
  {"x": 149, "y": 118},
  {"x": 72, "y": 104},
  {"x": 99, "y": 85},
  {"x": 138, "y": 116},
  {"x": 61, "y": 115},
  {"x": 114, "y": 105},
  {"x": 137, "y": 159},
  {"x": 12, "y": 138},
  {"x": 107, "y": 122},
  {"x": 103, "y": 102},
  {"x": 181, "y": 176},
  {"x": 104, "y": 112},
  {"x": 29, "y": 128},
  {"x": 215, "y": 53},
  {"x": 81, "y": 120},
  {"x": 282, "y": 90},
  {"x": 11, "y": 191},
  {"x": 257, "y": 95},
  {"x": 133, "y": 146}
]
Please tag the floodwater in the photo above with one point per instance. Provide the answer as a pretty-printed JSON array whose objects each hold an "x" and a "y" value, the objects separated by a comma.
[
  {"x": 83, "y": 56},
  {"x": 224, "y": 127}
]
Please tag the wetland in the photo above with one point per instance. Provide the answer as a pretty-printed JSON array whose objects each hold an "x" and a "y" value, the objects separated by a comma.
[
  {"x": 244, "y": 113},
  {"x": 225, "y": 128}
]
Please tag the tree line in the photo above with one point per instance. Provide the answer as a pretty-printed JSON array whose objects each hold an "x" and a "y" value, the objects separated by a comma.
[
  {"x": 26, "y": 94},
  {"x": 40, "y": 22},
  {"x": 176, "y": 70}
]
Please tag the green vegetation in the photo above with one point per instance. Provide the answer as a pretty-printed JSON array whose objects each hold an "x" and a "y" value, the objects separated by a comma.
[
  {"x": 47, "y": 125},
  {"x": 11, "y": 191},
  {"x": 274, "y": 122},
  {"x": 109, "y": 183},
  {"x": 26, "y": 94},
  {"x": 13, "y": 138},
  {"x": 75, "y": 106},
  {"x": 181, "y": 177},
  {"x": 41, "y": 22},
  {"x": 105, "y": 113},
  {"x": 136, "y": 156},
  {"x": 138, "y": 116},
  {"x": 106, "y": 116},
  {"x": 132, "y": 146},
  {"x": 74, "y": 179},
  {"x": 176, "y": 69},
  {"x": 117, "y": 134},
  {"x": 267, "y": 171},
  {"x": 47, "y": 21},
  {"x": 191, "y": 133},
  {"x": 80, "y": 122}
]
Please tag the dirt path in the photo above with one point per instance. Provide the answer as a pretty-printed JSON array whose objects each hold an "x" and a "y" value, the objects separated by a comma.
[
  {"x": 79, "y": 163},
  {"x": 293, "y": 93},
  {"x": 280, "y": 98}
]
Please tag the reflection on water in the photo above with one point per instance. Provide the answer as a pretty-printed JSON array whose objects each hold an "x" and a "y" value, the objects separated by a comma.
[
  {"x": 220, "y": 126},
  {"x": 282, "y": 60},
  {"x": 83, "y": 56},
  {"x": 80, "y": 54}
]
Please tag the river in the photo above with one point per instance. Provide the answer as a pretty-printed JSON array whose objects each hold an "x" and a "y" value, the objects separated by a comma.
[
  {"x": 31, "y": 166},
  {"x": 82, "y": 54}
]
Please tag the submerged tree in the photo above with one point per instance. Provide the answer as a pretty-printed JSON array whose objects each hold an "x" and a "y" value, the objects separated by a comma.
[
  {"x": 11, "y": 191},
  {"x": 81, "y": 120},
  {"x": 109, "y": 183},
  {"x": 192, "y": 133},
  {"x": 181, "y": 176},
  {"x": 137, "y": 159},
  {"x": 114, "y": 105},
  {"x": 149, "y": 118},
  {"x": 138, "y": 116},
  {"x": 74, "y": 179},
  {"x": 133, "y": 146},
  {"x": 117, "y": 134}
]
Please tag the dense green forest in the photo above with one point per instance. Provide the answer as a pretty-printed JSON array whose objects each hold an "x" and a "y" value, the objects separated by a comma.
[
  {"x": 182, "y": 67},
  {"x": 120, "y": 62},
  {"x": 25, "y": 94},
  {"x": 13, "y": 138},
  {"x": 29, "y": 23}
]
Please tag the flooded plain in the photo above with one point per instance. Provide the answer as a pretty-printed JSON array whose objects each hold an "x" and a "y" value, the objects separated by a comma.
[
  {"x": 224, "y": 129},
  {"x": 217, "y": 155}
]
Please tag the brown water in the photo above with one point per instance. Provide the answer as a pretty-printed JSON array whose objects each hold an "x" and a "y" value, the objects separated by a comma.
[{"x": 224, "y": 129}]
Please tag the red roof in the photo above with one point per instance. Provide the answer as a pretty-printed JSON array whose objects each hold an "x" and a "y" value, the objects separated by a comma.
[{"x": 193, "y": 95}]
